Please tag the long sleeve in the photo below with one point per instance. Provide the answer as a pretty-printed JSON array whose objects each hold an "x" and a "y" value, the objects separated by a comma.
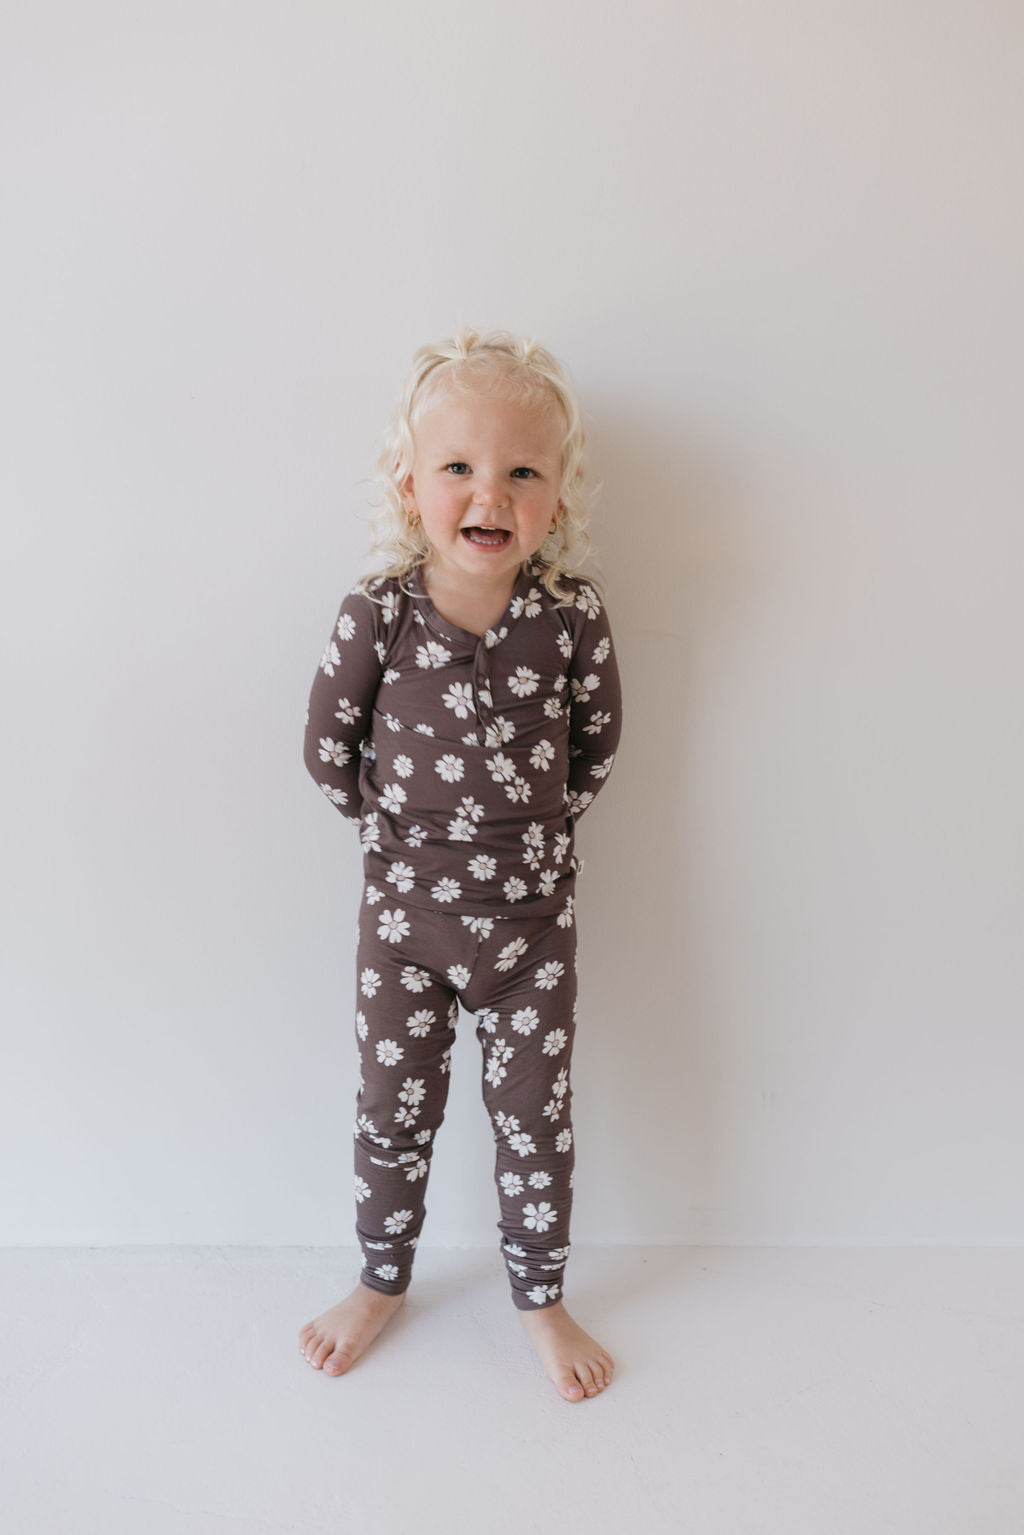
[
  {"x": 595, "y": 704},
  {"x": 341, "y": 701}
]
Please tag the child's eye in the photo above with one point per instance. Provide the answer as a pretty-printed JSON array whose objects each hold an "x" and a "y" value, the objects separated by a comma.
[
  {"x": 522, "y": 472},
  {"x": 457, "y": 468}
]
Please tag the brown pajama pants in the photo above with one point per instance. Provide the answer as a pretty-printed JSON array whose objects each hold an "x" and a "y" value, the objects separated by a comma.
[{"x": 518, "y": 976}]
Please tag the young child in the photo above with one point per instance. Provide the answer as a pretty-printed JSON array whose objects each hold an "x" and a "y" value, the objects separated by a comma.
[{"x": 465, "y": 714}]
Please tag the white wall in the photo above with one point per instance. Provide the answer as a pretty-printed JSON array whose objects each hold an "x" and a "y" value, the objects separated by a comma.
[{"x": 780, "y": 247}]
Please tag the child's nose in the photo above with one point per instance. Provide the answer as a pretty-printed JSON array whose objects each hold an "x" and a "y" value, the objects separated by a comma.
[{"x": 490, "y": 491}]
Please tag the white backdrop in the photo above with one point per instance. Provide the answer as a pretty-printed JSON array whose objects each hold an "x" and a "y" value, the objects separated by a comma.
[{"x": 780, "y": 247}]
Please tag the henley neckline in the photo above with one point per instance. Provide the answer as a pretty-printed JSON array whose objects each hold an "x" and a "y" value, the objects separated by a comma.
[{"x": 528, "y": 572}]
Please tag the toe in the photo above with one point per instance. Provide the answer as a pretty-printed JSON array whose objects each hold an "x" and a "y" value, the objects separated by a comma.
[
  {"x": 337, "y": 1362},
  {"x": 586, "y": 1378},
  {"x": 569, "y": 1387}
]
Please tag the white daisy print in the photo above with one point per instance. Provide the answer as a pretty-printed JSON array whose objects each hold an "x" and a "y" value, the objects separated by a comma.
[
  {"x": 471, "y": 808},
  {"x": 525, "y": 1020},
  {"x": 397, "y": 1221},
  {"x": 540, "y": 1180},
  {"x": 333, "y": 751},
  {"x": 577, "y": 800},
  {"x": 513, "y": 1247},
  {"x": 482, "y": 925},
  {"x": 563, "y": 1140},
  {"x": 547, "y": 882},
  {"x": 483, "y": 866},
  {"x": 387, "y": 1271},
  {"x": 424, "y": 730},
  {"x": 533, "y": 836},
  {"x": 432, "y": 654},
  {"x": 379, "y": 649},
  {"x": 602, "y": 650},
  {"x": 346, "y": 626},
  {"x": 389, "y": 1052},
  {"x": 500, "y": 1053},
  {"x": 542, "y": 756},
  {"x": 597, "y": 723},
  {"x": 330, "y": 658},
  {"x": 446, "y": 890},
  {"x": 459, "y": 698},
  {"x": 370, "y": 834},
  {"x": 521, "y": 1143},
  {"x": 501, "y": 768},
  {"x": 403, "y": 765},
  {"x": 406, "y": 1117},
  {"x": 416, "y": 836},
  {"x": 369, "y": 983},
  {"x": 458, "y": 976},
  {"x": 419, "y": 1025},
  {"x": 418, "y": 1169},
  {"x": 393, "y": 926},
  {"x": 450, "y": 767},
  {"x": 392, "y": 723},
  {"x": 488, "y": 1020},
  {"x": 510, "y": 953},
  {"x": 390, "y": 676},
  {"x": 559, "y": 1252},
  {"x": 524, "y": 682},
  {"x": 555, "y": 1041},
  {"x": 539, "y": 1217},
  {"x": 392, "y": 798},
  {"x": 345, "y": 712},
  {"x": 402, "y": 876},
  {"x": 564, "y": 918},
  {"x": 602, "y": 769},
  {"x": 514, "y": 889},
  {"x": 519, "y": 789},
  {"x": 562, "y": 841},
  {"x": 587, "y": 601},
  {"x": 363, "y": 1189},
  {"x": 413, "y": 1090},
  {"x": 553, "y": 707},
  {"x": 389, "y": 606},
  {"x": 337, "y": 796},
  {"x": 547, "y": 977},
  {"x": 581, "y": 691},
  {"x": 512, "y": 1185},
  {"x": 499, "y": 732},
  {"x": 361, "y": 1026},
  {"x": 413, "y": 979},
  {"x": 461, "y": 830},
  {"x": 541, "y": 1293}
]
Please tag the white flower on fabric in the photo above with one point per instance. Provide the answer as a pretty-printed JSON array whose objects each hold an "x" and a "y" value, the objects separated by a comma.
[
  {"x": 553, "y": 1109},
  {"x": 483, "y": 866},
  {"x": 540, "y": 1180},
  {"x": 602, "y": 769},
  {"x": 581, "y": 691},
  {"x": 547, "y": 977},
  {"x": 334, "y": 751},
  {"x": 577, "y": 800},
  {"x": 419, "y": 1024},
  {"x": 587, "y": 601},
  {"x": 417, "y": 1170},
  {"x": 532, "y": 857},
  {"x": 397, "y": 1221},
  {"x": 533, "y": 836},
  {"x": 560, "y": 1086},
  {"x": 564, "y": 643},
  {"x": 525, "y": 1020},
  {"x": 415, "y": 836},
  {"x": 499, "y": 732},
  {"x": 361, "y": 1026},
  {"x": 514, "y": 889},
  {"x": 379, "y": 650},
  {"x": 484, "y": 695},
  {"x": 488, "y": 1020},
  {"x": 482, "y": 925},
  {"x": 563, "y": 1140},
  {"x": 450, "y": 767},
  {"x": 459, "y": 698},
  {"x": 547, "y": 882},
  {"x": 413, "y": 979},
  {"x": 559, "y": 1252},
  {"x": 330, "y": 658},
  {"x": 542, "y": 756},
  {"x": 406, "y": 1117},
  {"x": 346, "y": 712},
  {"x": 461, "y": 830},
  {"x": 346, "y": 626},
  {"x": 413, "y": 1090},
  {"x": 370, "y": 834},
  {"x": 446, "y": 890},
  {"x": 389, "y": 1052},
  {"x": 392, "y": 723},
  {"x": 458, "y": 976},
  {"x": 389, "y": 606},
  {"x": 336, "y": 796},
  {"x": 471, "y": 808},
  {"x": 562, "y": 844},
  {"x": 424, "y": 730},
  {"x": 369, "y": 983},
  {"x": 564, "y": 918},
  {"x": 555, "y": 1041},
  {"x": 501, "y": 768},
  {"x": 432, "y": 654},
  {"x": 597, "y": 723},
  {"x": 500, "y": 1053},
  {"x": 393, "y": 926},
  {"x": 390, "y": 676},
  {"x": 373, "y": 895},
  {"x": 518, "y": 790},
  {"x": 553, "y": 707},
  {"x": 363, "y": 1189},
  {"x": 541, "y": 1293},
  {"x": 393, "y": 798},
  {"x": 387, "y": 1271},
  {"x": 602, "y": 650},
  {"x": 513, "y": 1247},
  {"x": 404, "y": 765},
  {"x": 539, "y": 1217},
  {"x": 528, "y": 606},
  {"x": 402, "y": 876},
  {"x": 511, "y": 1184},
  {"x": 446, "y": 1060},
  {"x": 521, "y": 1143},
  {"x": 524, "y": 682},
  {"x": 510, "y": 953}
]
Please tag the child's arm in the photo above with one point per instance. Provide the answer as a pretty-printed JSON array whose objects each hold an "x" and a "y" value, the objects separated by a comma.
[
  {"x": 341, "y": 702},
  {"x": 595, "y": 719}
]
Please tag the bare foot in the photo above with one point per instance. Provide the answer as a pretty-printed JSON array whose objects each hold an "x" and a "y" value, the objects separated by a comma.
[
  {"x": 335, "y": 1340},
  {"x": 573, "y": 1360}
]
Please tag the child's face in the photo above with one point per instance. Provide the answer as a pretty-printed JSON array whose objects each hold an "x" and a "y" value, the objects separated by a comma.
[{"x": 485, "y": 482}]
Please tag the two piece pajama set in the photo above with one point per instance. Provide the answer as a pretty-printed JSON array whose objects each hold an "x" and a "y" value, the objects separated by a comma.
[{"x": 466, "y": 762}]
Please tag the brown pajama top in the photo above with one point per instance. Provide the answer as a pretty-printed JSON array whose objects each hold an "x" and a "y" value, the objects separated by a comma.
[{"x": 467, "y": 760}]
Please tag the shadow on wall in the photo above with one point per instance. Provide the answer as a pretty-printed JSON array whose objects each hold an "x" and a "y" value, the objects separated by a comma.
[{"x": 670, "y": 543}]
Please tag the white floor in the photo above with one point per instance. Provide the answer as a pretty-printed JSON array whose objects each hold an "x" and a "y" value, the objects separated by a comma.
[{"x": 760, "y": 1390}]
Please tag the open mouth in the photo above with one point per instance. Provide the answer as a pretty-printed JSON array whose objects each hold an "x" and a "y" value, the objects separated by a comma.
[{"x": 486, "y": 538}]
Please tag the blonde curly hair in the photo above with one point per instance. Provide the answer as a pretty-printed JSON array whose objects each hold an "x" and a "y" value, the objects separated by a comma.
[{"x": 499, "y": 363}]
